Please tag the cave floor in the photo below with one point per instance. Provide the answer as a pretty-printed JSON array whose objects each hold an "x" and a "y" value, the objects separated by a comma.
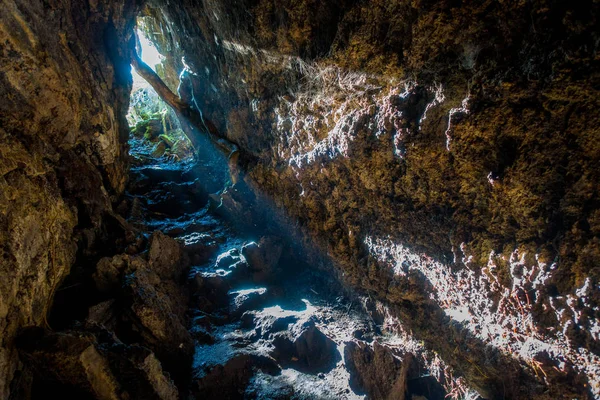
[
  {"x": 265, "y": 324},
  {"x": 190, "y": 305}
]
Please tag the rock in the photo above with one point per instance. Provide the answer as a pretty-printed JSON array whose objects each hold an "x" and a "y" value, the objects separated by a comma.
[
  {"x": 138, "y": 246},
  {"x": 376, "y": 370},
  {"x": 245, "y": 300},
  {"x": 229, "y": 380},
  {"x": 62, "y": 151},
  {"x": 102, "y": 314},
  {"x": 142, "y": 373},
  {"x": 165, "y": 256},
  {"x": 201, "y": 330},
  {"x": 159, "y": 149},
  {"x": 159, "y": 321},
  {"x": 111, "y": 270},
  {"x": 239, "y": 272},
  {"x": 199, "y": 247},
  {"x": 504, "y": 161},
  {"x": 228, "y": 258},
  {"x": 212, "y": 286},
  {"x": 266, "y": 322},
  {"x": 263, "y": 257},
  {"x": 306, "y": 349},
  {"x": 106, "y": 371}
]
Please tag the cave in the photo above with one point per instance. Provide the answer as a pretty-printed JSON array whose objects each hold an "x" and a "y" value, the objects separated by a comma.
[{"x": 336, "y": 199}]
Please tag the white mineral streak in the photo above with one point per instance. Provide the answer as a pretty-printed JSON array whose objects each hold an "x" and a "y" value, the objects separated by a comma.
[
  {"x": 463, "y": 109},
  {"x": 507, "y": 323}
]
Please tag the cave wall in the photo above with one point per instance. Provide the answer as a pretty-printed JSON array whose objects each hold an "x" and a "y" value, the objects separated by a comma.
[
  {"x": 444, "y": 153},
  {"x": 64, "y": 84}
]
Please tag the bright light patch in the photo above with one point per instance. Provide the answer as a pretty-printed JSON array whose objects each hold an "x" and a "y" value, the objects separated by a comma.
[
  {"x": 149, "y": 55},
  {"x": 507, "y": 323}
]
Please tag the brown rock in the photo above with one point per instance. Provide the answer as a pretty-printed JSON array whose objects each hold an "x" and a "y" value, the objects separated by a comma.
[
  {"x": 109, "y": 372},
  {"x": 376, "y": 370},
  {"x": 156, "y": 314},
  {"x": 111, "y": 270},
  {"x": 165, "y": 256},
  {"x": 263, "y": 257},
  {"x": 305, "y": 348}
]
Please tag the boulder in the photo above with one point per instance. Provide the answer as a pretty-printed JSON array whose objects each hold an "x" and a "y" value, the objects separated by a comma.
[
  {"x": 199, "y": 247},
  {"x": 111, "y": 270},
  {"x": 157, "y": 318},
  {"x": 230, "y": 379},
  {"x": 245, "y": 300},
  {"x": 266, "y": 322},
  {"x": 212, "y": 287},
  {"x": 165, "y": 256},
  {"x": 306, "y": 349},
  {"x": 263, "y": 257},
  {"x": 77, "y": 362},
  {"x": 102, "y": 314},
  {"x": 377, "y": 370}
]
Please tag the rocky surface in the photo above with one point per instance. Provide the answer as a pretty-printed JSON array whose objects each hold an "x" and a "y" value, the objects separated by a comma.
[
  {"x": 247, "y": 321},
  {"x": 94, "y": 366},
  {"x": 442, "y": 154},
  {"x": 65, "y": 87}
]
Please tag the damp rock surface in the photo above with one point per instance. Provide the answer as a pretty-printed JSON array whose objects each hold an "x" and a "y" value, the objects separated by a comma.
[{"x": 62, "y": 154}]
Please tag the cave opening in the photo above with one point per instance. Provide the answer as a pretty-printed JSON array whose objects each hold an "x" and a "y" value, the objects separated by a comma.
[{"x": 155, "y": 128}]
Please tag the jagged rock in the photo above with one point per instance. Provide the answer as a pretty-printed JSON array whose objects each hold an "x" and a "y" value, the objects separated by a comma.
[
  {"x": 376, "y": 370},
  {"x": 239, "y": 272},
  {"x": 425, "y": 126},
  {"x": 138, "y": 246},
  {"x": 228, "y": 258},
  {"x": 111, "y": 270},
  {"x": 229, "y": 380},
  {"x": 102, "y": 314},
  {"x": 213, "y": 285},
  {"x": 264, "y": 323},
  {"x": 263, "y": 257},
  {"x": 463, "y": 151},
  {"x": 165, "y": 256},
  {"x": 106, "y": 371},
  {"x": 143, "y": 372},
  {"x": 305, "y": 348},
  {"x": 245, "y": 300},
  {"x": 158, "y": 319},
  {"x": 201, "y": 330},
  {"x": 199, "y": 247}
]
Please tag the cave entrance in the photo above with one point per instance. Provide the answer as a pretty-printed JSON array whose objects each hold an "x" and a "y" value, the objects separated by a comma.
[
  {"x": 155, "y": 129},
  {"x": 168, "y": 128}
]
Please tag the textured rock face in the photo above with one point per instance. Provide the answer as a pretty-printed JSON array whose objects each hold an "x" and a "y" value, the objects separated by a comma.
[
  {"x": 65, "y": 87},
  {"x": 444, "y": 153}
]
